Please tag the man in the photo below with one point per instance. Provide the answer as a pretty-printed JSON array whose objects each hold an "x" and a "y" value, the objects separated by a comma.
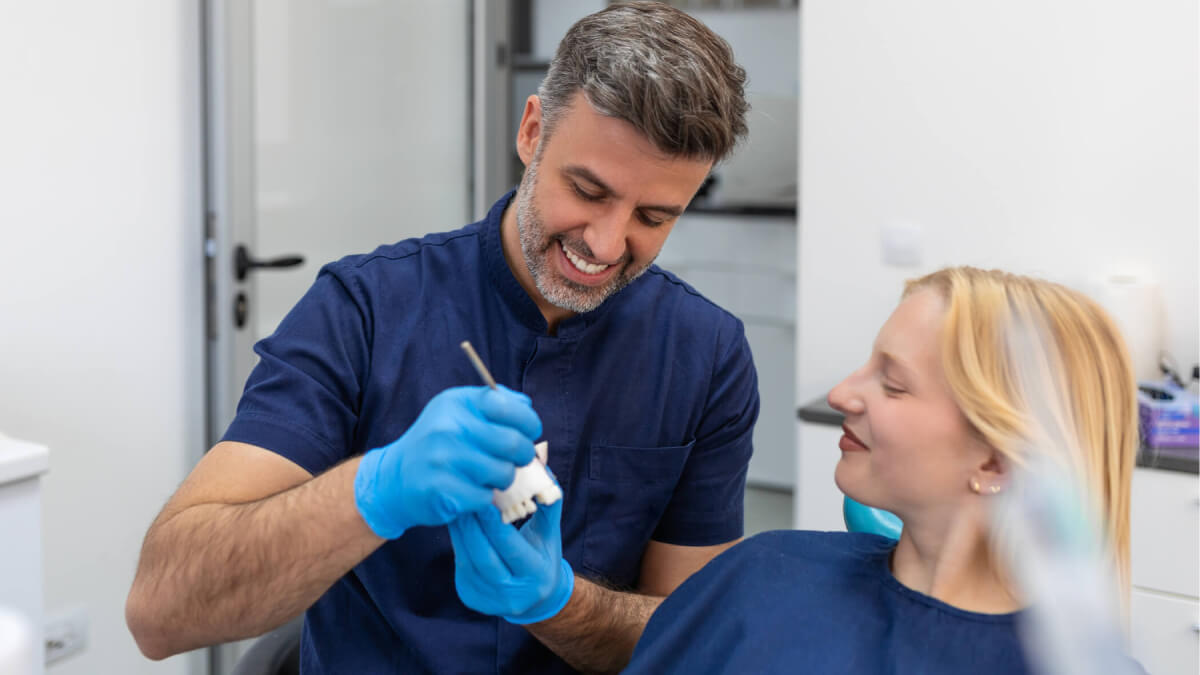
[{"x": 644, "y": 390}]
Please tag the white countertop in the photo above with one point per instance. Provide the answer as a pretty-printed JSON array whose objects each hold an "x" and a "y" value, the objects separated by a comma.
[{"x": 21, "y": 459}]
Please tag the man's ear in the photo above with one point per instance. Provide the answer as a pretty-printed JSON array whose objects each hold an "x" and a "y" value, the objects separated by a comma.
[
  {"x": 529, "y": 133},
  {"x": 991, "y": 476}
]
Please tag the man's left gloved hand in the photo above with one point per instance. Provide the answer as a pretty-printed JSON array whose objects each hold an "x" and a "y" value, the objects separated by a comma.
[{"x": 516, "y": 574}]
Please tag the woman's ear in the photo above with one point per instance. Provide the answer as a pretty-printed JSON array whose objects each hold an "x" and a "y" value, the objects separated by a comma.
[
  {"x": 991, "y": 476},
  {"x": 529, "y": 133}
]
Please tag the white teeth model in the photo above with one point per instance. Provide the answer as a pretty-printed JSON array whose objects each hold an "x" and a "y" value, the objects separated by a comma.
[
  {"x": 581, "y": 264},
  {"x": 532, "y": 481}
]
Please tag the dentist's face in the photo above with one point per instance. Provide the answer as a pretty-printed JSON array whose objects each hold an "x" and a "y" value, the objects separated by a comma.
[
  {"x": 596, "y": 203},
  {"x": 907, "y": 447}
]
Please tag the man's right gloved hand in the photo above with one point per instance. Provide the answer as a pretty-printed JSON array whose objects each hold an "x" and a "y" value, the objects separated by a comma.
[{"x": 465, "y": 442}]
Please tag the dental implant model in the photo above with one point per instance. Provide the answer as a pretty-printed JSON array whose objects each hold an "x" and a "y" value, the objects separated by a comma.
[{"x": 532, "y": 482}]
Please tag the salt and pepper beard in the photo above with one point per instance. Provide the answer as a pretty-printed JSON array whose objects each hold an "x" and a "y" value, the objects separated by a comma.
[{"x": 536, "y": 248}]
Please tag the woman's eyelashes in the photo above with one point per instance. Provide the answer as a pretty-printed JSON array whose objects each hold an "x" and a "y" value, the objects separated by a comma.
[{"x": 890, "y": 386}]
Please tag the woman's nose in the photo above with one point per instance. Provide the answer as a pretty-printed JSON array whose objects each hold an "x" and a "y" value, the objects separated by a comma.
[{"x": 845, "y": 397}]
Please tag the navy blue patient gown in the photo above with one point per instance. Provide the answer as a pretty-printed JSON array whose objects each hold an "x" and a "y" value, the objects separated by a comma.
[{"x": 818, "y": 602}]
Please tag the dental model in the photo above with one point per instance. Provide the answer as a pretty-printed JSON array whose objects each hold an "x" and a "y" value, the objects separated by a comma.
[{"x": 532, "y": 482}]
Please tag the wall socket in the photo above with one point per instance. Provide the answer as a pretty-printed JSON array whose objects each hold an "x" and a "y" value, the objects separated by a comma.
[{"x": 66, "y": 634}]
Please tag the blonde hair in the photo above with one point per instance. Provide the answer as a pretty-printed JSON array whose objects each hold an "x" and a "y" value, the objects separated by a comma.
[{"x": 999, "y": 329}]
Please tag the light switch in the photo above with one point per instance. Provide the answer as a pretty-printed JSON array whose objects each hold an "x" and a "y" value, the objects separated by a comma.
[{"x": 902, "y": 244}]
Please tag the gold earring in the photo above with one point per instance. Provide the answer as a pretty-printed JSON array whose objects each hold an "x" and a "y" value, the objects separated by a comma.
[
  {"x": 994, "y": 489},
  {"x": 975, "y": 486}
]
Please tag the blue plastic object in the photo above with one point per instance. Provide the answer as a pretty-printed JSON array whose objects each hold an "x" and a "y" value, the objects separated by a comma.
[{"x": 862, "y": 518}]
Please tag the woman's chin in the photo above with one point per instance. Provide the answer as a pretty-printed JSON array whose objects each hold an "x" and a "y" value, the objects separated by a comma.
[{"x": 846, "y": 481}]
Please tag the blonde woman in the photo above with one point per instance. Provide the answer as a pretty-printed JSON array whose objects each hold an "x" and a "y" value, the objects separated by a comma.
[{"x": 975, "y": 375}]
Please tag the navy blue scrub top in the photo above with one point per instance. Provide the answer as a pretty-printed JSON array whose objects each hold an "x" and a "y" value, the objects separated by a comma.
[
  {"x": 818, "y": 602},
  {"x": 648, "y": 404}
]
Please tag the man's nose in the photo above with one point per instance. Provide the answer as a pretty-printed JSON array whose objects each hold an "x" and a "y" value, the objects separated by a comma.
[{"x": 606, "y": 235}]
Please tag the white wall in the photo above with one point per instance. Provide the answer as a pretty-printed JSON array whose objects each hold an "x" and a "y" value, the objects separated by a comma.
[
  {"x": 1053, "y": 138},
  {"x": 100, "y": 286}
]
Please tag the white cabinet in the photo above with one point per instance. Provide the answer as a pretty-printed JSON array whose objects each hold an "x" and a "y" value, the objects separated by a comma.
[
  {"x": 818, "y": 502},
  {"x": 1165, "y": 557},
  {"x": 747, "y": 265},
  {"x": 21, "y": 465}
]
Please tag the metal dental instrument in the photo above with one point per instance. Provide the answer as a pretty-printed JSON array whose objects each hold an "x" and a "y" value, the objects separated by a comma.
[
  {"x": 478, "y": 363},
  {"x": 532, "y": 484}
]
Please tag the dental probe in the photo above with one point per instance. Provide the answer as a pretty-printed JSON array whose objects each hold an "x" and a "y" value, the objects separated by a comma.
[
  {"x": 478, "y": 363},
  {"x": 532, "y": 484}
]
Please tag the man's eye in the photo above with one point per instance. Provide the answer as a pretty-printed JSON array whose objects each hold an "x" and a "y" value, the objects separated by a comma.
[
  {"x": 647, "y": 220},
  {"x": 583, "y": 194}
]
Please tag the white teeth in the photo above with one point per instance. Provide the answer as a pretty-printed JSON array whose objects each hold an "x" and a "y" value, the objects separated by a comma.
[{"x": 582, "y": 265}]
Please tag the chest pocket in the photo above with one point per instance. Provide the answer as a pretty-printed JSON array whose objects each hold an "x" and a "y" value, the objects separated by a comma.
[{"x": 628, "y": 491}]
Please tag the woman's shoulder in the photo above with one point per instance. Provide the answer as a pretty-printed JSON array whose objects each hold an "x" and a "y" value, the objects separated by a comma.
[
  {"x": 770, "y": 562},
  {"x": 796, "y": 601},
  {"x": 813, "y": 546}
]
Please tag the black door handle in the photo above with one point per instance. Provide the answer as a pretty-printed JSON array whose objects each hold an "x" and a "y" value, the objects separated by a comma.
[{"x": 243, "y": 263}]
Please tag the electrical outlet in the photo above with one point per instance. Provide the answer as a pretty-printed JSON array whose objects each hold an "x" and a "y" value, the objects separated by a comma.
[{"x": 66, "y": 634}]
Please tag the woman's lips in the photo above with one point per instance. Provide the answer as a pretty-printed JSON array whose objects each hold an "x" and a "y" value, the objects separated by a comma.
[{"x": 851, "y": 443}]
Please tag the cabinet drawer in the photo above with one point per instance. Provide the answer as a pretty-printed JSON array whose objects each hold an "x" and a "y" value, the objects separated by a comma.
[
  {"x": 1163, "y": 633},
  {"x": 1165, "y": 522},
  {"x": 818, "y": 499}
]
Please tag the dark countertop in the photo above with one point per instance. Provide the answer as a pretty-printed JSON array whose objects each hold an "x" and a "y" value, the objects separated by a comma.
[
  {"x": 819, "y": 412},
  {"x": 1185, "y": 460}
]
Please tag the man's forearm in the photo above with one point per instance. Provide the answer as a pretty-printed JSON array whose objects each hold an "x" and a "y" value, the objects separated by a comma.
[
  {"x": 598, "y": 629},
  {"x": 218, "y": 572}
]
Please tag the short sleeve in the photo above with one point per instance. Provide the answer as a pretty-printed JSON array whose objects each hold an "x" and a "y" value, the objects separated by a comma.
[
  {"x": 708, "y": 503},
  {"x": 684, "y": 631},
  {"x": 303, "y": 398}
]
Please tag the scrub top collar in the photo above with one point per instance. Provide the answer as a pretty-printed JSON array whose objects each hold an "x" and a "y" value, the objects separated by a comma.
[{"x": 515, "y": 298}]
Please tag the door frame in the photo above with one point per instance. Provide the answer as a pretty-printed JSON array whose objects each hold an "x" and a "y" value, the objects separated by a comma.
[{"x": 227, "y": 87}]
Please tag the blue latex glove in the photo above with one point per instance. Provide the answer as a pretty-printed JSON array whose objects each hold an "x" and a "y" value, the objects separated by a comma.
[
  {"x": 516, "y": 574},
  {"x": 465, "y": 442}
]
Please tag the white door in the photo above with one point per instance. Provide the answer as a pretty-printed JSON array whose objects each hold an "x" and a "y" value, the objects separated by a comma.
[{"x": 334, "y": 126}]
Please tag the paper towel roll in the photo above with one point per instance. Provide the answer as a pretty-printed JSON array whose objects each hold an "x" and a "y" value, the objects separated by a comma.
[
  {"x": 1136, "y": 305},
  {"x": 16, "y": 644}
]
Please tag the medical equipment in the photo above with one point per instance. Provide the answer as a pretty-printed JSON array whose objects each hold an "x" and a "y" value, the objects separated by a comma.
[
  {"x": 1043, "y": 526},
  {"x": 1169, "y": 415},
  {"x": 1072, "y": 626},
  {"x": 862, "y": 518},
  {"x": 532, "y": 481}
]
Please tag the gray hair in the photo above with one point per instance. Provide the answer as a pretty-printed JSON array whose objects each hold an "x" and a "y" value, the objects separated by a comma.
[{"x": 657, "y": 68}]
